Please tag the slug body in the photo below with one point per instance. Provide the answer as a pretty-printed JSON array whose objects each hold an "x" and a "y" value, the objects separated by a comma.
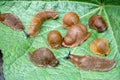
[
  {"x": 43, "y": 57},
  {"x": 76, "y": 35},
  {"x": 54, "y": 39},
  {"x": 38, "y": 20},
  {"x": 98, "y": 23},
  {"x": 91, "y": 63},
  {"x": 11, "y": 21},
  {"x": 70, "y": 19},
  {"x": 100, "y": 46}
]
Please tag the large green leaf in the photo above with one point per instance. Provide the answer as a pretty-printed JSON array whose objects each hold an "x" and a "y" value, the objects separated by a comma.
[{"x": 15, "y": 47}]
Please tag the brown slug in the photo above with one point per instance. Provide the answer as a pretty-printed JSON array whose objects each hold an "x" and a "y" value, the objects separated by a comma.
[
  {"x": 98, "y": 23},
  {"x": 100, "y": 46},
  {"x": 91, "y": 63},
  {"x": 70, "y": 19},
  {"x": 76, "y": 35},
  {"x": 54, "y": 39},
  {"x": 38, "y": 19},
  {"x": 43, "y": 57},
  {"x": 12, "y": 21}
]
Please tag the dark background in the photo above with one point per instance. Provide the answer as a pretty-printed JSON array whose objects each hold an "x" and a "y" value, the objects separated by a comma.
[{"x": 1, "y": 71}]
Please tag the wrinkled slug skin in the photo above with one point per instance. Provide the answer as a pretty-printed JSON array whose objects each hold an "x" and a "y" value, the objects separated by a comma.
[
  {"x": 43, "y": 57},
  {"x": 12, "y": 21},
  {"x": 76, "y": 35},
  {"x": 38, "y": 19},
  {"x": 92, "y": 63}
]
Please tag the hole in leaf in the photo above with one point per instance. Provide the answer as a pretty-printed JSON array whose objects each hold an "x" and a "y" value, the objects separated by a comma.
[{"x": 1, "y": 70}]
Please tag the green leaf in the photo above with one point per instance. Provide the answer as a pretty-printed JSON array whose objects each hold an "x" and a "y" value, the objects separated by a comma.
[{"x": 15, "y": 47}]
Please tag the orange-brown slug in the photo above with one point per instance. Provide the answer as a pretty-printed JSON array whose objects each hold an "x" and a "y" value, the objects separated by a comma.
[
  {"x": 38, "y": 19},
  {"x": 76, "y": 35},
  {"x": 54, "y": 39},
  {"x": 98, "y": 23},
  {"x": 43, "y": 57},
  {"x": 70, "y": 19},
  {"x": 100, "y": 46},
  {"x": 91, "y": 63}
]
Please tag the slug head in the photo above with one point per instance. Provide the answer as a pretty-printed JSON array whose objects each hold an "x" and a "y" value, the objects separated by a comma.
[
  {"x": 53, "y": 63},
  {"x": 68, "y": 56}
]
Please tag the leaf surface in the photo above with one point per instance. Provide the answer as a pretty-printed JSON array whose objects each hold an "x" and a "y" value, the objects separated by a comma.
[{"x": 15, "y": 47}]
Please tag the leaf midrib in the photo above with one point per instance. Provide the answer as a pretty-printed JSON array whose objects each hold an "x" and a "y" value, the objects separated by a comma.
[{"x": 111, "y": 30}]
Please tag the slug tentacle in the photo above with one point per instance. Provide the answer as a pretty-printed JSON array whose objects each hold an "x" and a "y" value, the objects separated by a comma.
[
  {"x": 38, "y": 19},
  {"x": 68, "y": 56},
  {"x": 27, "y": 36}
]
